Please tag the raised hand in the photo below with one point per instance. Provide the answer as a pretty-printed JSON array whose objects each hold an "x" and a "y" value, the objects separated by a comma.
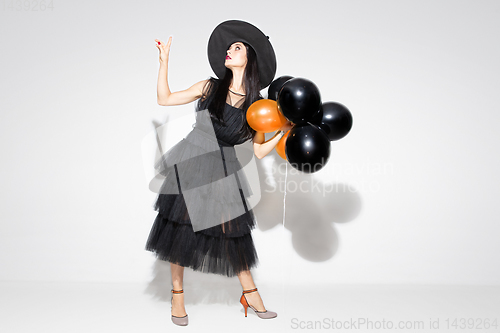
[{"x": 164, "y": 49}]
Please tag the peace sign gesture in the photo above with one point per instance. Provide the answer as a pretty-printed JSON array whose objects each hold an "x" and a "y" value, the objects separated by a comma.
[{"x": 164, "y": 49}]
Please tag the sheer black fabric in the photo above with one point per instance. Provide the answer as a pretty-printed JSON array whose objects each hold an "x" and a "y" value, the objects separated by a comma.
[{"x": 204, "y": 180}]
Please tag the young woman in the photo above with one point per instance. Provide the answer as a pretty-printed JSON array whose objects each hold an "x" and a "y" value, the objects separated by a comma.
[{"x": 244, "y": 60}]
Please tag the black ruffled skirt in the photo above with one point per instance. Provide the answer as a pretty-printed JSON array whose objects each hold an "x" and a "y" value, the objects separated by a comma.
[
  {"x": 176, "y": 242},
  {"x": 225, "y": 249}
]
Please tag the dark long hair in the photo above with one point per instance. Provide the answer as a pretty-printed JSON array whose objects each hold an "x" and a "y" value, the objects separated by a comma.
[{"x": 215, "y": 92}]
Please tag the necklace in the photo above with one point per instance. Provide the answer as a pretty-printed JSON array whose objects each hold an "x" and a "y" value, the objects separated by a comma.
[{"x": 236, "y": 93}]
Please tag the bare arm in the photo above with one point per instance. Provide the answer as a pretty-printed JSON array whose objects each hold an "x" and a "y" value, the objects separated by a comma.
[
  {"x": 261, "y": 147},
  {"x": 164, "y": 96},
  {"x": 167, "y": 98}
]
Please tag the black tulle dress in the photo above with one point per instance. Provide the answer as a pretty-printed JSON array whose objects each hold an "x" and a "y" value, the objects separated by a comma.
[{"x": 226, "y": 248}]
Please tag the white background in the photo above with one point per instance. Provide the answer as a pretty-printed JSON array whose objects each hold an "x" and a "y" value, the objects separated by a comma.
[{"x": 421, "y": 78}]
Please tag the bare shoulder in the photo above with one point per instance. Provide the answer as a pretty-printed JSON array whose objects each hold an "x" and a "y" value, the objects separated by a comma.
[
  {"x": 202, "y": 83},
  {"x": 206, "y": 87},
  {"x": 198, "y": 86}
]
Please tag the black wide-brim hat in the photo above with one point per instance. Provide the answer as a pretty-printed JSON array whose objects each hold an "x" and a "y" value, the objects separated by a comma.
[{"x": 229, "y": 32}]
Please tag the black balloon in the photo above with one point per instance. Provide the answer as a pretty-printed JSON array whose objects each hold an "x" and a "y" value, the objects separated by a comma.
[
  {"x": 299, "y": 100},
  {"x": 324, "y": 127},
  {"x": 307, "y": 148},
  {"x": 275, "y": 87},
  {"x": 317, "y": 117},
  {"x": 338, "y": 118}
]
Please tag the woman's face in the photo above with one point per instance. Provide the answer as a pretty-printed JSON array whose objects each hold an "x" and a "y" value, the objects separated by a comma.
[{"x": 236, "y": 56}]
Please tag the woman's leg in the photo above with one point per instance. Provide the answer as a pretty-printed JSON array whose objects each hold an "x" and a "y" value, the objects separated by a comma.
[
  {"x": 253, "y": 298},
  {"x": 178, "y": 309}
]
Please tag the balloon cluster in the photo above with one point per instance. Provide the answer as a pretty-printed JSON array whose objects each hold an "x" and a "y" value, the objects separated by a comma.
[{"x": 307, "y": 145}]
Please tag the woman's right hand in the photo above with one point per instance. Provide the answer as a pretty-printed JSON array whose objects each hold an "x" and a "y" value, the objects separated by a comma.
[{"x": 164, "y": 49}]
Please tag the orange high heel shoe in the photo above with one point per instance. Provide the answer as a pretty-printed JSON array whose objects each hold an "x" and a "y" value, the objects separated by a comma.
[
  {"x": 181, "y": 321},
  {"x": 262, "y": 314}
]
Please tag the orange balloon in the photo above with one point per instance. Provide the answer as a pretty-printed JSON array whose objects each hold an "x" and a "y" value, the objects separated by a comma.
[
  {"x": 264, "y": 116},
  {"x": 280, "y": 147}
]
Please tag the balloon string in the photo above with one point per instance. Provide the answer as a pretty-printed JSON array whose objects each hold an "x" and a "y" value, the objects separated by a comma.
[
  {"x": 284, "y": 237},
  {"x": 284, "y": 197}
]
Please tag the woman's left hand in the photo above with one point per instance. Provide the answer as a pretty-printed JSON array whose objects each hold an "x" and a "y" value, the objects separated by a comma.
[{"x": 287, "y": 126}]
